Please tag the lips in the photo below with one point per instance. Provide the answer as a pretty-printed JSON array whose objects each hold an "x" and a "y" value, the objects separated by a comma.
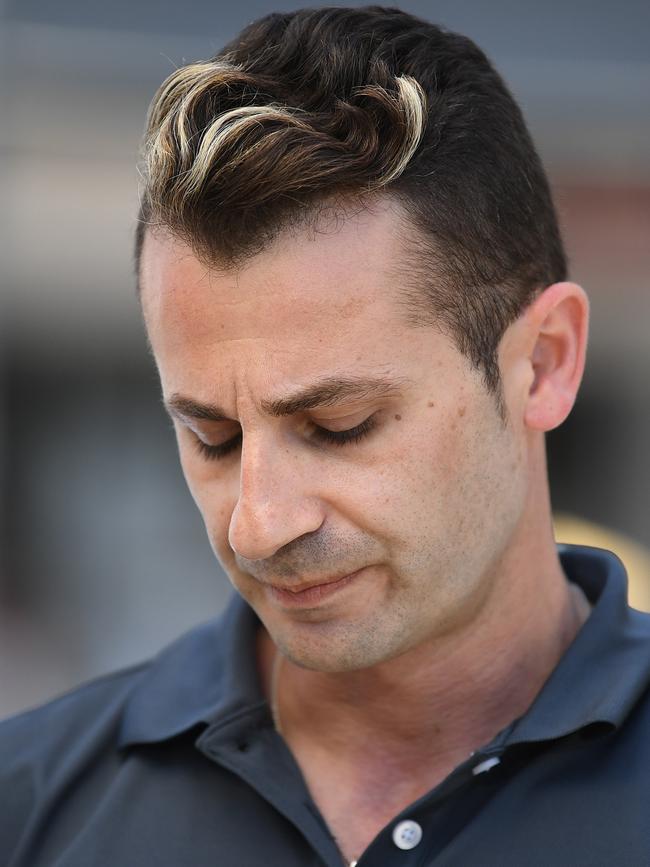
[
  {"x": 308, "y": 585},
  {"x": 302, "y": 595}
]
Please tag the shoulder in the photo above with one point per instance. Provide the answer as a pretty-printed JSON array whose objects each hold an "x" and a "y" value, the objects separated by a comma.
[
  {"x": 63, "y": 758},
  {"x": 68, "y": 750},
  {"x": 190, "y": 662},
  {"x": 42, "y": 745},
  {"x": 53, "y": 723}
]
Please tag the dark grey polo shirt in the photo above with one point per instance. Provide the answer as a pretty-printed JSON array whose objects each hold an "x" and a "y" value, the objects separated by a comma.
[{"x": 177, "y": 763}]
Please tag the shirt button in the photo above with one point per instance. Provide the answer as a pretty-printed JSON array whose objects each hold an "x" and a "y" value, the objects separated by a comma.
[
  {"x": 407, "y": 834},
  {"x": 486, "y": 765}
]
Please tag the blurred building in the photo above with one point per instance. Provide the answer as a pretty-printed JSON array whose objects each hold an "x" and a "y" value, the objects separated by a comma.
[{"x": 103, "y": 557}]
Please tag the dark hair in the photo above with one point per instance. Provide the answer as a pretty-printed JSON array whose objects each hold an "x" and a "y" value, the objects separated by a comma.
[{"x": 349, "y": 104}]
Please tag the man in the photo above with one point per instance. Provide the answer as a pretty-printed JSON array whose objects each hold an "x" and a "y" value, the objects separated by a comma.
[{"x": 356, "y": 295}]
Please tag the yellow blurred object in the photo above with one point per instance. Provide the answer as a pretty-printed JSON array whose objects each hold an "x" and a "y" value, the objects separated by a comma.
[{"x": 636, "y": 558}]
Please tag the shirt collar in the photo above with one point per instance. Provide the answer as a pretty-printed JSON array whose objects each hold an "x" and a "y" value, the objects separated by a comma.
[
  {"x": 606, "y": 669},
  {"x": 207, "y": 675},
  {"x": 210, "y": 674}
]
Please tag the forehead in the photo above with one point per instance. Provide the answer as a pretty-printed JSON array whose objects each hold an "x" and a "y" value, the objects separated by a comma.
[{"x": 311, "y": 299}]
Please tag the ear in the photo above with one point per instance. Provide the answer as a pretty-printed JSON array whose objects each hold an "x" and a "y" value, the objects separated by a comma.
[{"x": 557, "y": 325}]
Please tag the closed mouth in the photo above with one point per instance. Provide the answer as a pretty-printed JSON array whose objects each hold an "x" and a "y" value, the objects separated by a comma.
[
  {"x": 309, "y": 585},
  {"x": 307, "y": 595}
]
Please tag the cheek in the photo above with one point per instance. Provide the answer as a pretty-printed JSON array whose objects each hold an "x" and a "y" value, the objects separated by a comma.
[
  {"x": 421, "y": 467},
  {"x": 216, "y": 517},
  {"x": 195, "y": 472},
  {"x": 214, "y": 491},
  {"x": 485, "y": 489},
  {"x": 440, "y": 489}
]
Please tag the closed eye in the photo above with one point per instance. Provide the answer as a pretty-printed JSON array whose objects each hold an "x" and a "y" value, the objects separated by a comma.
[
  {"x": 320, "y": 434},
  {"x": 341, "y": 437}
]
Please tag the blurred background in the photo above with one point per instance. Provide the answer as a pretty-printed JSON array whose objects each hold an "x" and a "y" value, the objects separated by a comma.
[{"x": 103, "y": 557}]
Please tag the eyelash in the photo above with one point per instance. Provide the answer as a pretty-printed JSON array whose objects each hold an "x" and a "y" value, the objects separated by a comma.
[{"x": 338, "y": 438}]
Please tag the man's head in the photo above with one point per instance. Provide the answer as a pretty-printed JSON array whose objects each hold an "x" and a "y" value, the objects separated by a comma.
[
  {"x": 308, "y": 111},
  {"x": 347, "y": 229}
]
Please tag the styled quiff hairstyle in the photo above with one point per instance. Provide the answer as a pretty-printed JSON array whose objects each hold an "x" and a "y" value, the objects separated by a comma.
[{"x": 337, "y": 105}]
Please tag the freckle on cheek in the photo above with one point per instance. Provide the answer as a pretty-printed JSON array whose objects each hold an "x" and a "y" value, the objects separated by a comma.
[
  {"x": 461, "y": 411},
  {"x": 398, "y": 417},
  {"x": 430, "y": 403}
]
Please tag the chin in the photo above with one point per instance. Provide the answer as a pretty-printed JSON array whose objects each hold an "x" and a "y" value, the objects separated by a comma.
[{"x": 333, "y": 650}]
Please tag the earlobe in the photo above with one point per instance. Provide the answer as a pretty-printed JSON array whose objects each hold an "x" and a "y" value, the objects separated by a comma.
[{"x": 558, "y": 320}]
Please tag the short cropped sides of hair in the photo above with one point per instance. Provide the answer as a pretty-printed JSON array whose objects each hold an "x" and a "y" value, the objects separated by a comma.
[{"x": 333, "y": 107}]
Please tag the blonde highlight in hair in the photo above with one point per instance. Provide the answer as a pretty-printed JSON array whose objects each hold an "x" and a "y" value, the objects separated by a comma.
[{"x": 215, "y": 132}]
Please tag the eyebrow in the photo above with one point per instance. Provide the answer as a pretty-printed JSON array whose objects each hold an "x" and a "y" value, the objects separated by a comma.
[{"x": 324, "y": 392}]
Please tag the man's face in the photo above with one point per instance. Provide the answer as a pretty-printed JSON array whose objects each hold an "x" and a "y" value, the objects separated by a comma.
[{"x": 424, "y": 497}]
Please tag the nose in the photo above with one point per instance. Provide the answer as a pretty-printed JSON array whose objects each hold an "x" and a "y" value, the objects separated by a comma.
[{"x": 276, "y": 503}]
